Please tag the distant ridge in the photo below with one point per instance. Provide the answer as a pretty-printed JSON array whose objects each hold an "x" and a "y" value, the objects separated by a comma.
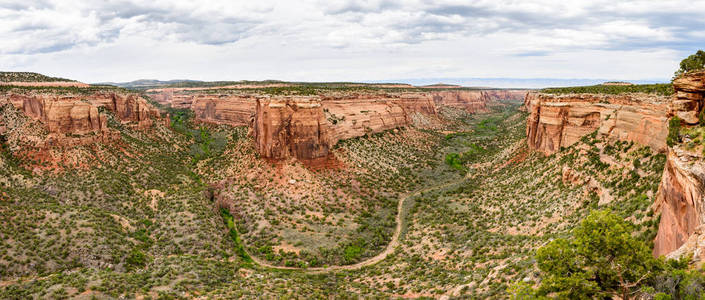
[
  {"x": 147, "y": 83},
  {"x": 29, "y": 77}
]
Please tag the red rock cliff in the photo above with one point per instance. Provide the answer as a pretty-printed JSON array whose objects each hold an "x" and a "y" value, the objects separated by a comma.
[
  {"x": 66, "y": 116},
  {"x": 216, "y": 108},
  {"x": 560, "y": 121},
  {"x": 292, "y": 126},
  {"x": 308, "y": 126},
  {"x": 681, "y": 196}
]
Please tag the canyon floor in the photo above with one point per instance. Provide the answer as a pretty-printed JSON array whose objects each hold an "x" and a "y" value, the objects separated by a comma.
[{"x": 194, "y": 212}]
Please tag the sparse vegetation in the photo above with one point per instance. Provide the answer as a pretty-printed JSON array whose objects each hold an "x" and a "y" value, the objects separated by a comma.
[{"x": 664, "y": 89}]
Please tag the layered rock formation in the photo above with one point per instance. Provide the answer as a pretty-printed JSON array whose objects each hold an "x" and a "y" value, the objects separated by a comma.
[
  {"x": 291, "y": 127},
  {"x": 72, "y": 120},
  {"x": 560, "y": 121},
  {"x": 689, "y": 97},
  {"x": 308, "y": 126},
  {"x": 681, "y": 196}
]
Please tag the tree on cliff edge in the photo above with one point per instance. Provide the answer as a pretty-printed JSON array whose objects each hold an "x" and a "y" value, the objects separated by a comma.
[
  {"x": 692, "y": 63},
  {"x": 600, "y": 260}
]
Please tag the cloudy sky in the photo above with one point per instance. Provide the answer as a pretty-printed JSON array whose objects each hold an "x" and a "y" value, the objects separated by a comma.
[{"x": 328, "y": 40}]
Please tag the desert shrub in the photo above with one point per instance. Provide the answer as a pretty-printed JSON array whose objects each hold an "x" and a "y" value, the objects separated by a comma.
[
  {"x": 136, "y": 259},
  {"x": 674, "y": 127},
  {"x": 600, "y": 259}
]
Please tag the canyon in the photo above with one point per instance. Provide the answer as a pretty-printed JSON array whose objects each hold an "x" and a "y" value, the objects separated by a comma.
[
  {"x": 306, "y": 127},
  {"x": 557, "y": 121}
]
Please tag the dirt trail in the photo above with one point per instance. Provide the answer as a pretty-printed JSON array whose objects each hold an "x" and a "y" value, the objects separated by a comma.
[{"x": 400, "y": 219}]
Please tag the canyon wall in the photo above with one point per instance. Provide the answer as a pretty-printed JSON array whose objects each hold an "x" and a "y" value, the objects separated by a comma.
[
  {"x": 557, "y": 121},
  {"x": 294, "y": 126},
  {"x": 73, "y": 119},
  {"x": 307, "y": 127},
  {"x": 681, "y": 196}
]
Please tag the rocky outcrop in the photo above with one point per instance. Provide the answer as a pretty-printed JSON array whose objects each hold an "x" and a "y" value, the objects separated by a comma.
[
  {"x": 307, "y": 127},
  {"x": 291, "y": 127},
  {"x": 472, "y": 101},
  {"x": 689, "y": 97},
  {"x": 355, "y": 116},
  {"x": 72, "y": 120},
  {"x": 681, "y": 195},
  {"x": 506, "y": 95},
  {"x": 557, "y": 121}
]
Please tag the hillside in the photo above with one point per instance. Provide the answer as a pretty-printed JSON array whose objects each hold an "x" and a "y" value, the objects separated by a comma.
[
  {"x": 28, "y": 77},
  {"x": 329, "y": 191}
]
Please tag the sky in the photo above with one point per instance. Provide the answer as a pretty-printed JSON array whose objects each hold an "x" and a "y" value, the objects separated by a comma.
[{"x": 503, "y": 42}]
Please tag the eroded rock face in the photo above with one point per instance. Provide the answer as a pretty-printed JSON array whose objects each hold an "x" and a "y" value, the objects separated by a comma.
[
  {"x": 74, "y": 120},
  {"x": 681, "y": 196},
  {"x": 689, "y": 97},
  {"x": 308, "y": 127},
  {"x": 560, "y": 121},
  {"x": 680, "y": 199},
  {"x": 291, "y": 127},
  {"x": 234, "y": 110}
]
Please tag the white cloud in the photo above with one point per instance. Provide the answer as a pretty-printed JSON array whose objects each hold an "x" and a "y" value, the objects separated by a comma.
[{"x": 348, "y": 40}]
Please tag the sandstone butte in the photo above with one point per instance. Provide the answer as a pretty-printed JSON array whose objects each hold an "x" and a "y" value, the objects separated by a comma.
[
  {"x": 306, "y": 127},
  {"x": 76, "y": 120},
  {"x": 557, "y": 121}
]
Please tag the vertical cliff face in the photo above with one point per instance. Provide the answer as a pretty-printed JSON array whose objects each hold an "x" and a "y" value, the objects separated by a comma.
[
  {"x": 307, "y": 127},
  {"x": 681, "y": 196},
  {"x": 680, "y": 200},
  {"x": 61, "y": 115},
  {"x": 689, "y": 97},
  {"x": 67, "y": 116},
  {"x": 224, "y": 109},
  {"x": 352, "y": 116},
  {"x": 234, "y": 110},
  {"x": 472, "y": 101},
  {"x": 291, "y": 127},
  {"x": 560, "y": 121}
]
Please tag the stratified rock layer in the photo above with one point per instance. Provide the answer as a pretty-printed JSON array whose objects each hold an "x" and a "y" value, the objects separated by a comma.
[
  {"x": 689, "y": 97},
  {"x": 560, "y": 121},
  {"x": 291, "y": 127},
  {"x": 72, "y": 120},
  {"x": 307, "y": 127}
]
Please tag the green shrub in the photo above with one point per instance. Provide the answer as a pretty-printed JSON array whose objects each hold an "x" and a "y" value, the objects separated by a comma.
[
  {"x": 674, "y": 128},
  {"x": 692, "y": 63},
  {"x": 136, "y": 259}
]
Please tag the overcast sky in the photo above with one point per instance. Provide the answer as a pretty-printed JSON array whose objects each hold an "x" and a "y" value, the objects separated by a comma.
[{"x": 328, "y": 40}]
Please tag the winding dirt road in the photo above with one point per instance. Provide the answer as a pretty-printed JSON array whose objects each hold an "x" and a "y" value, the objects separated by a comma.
[{"x": 400, "y": 219}]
